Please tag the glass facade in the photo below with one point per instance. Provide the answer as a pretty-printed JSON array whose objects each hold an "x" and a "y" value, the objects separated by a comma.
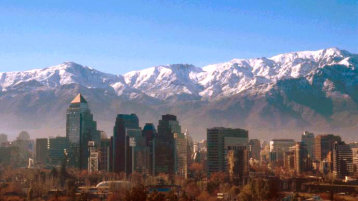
[{"x": 80, "y": 128}]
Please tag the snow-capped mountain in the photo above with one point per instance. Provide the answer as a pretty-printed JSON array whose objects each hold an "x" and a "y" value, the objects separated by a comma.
[
  {"x": 66, "y": 73},
  {"x": 299, "y": 90},
  {"x": 210, "y": 82}
]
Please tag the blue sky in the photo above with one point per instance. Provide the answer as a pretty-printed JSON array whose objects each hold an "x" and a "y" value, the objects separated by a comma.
[{"x": 120, "y": 36}]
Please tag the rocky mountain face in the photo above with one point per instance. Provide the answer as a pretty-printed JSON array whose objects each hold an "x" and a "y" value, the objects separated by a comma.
[{"x": 279, "y": 96}]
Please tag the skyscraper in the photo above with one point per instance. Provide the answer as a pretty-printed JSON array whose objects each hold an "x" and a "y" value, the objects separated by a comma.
[
  {"x": 150, "y": 133},
  {"x": 42, "y": 150},
  {"x": 80, "y": 129},
  {"x": 355, "y": 159},
  {"x": 165, "y": 144},
  {"x": 308, "y": 139},
  {"x": 302, "y": 160},
  {"x": 3, "y": 139},
  {"x": 56, "y": 150},
  {"x": 254, "y": 149},
  {"x": 238, "y": 162},
  {"x": 120, "y": 140},
  {"x": 181, "y": 154},
  {"x": 93, "y": 157},
  {"x": 342, "y": 159},
  {"x": 219, "y": 141},
  {"x": 277, "y": 149},
  {"x": 323, "y": 145},
  {"x": 104, "y": 154}
]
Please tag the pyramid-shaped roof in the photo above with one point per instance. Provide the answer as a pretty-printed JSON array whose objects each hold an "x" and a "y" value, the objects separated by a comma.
[{"x": 79, "y": 99}]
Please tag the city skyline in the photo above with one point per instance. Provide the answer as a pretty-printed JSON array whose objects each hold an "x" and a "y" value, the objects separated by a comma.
[
  {"x": 178, "y": 100},
  {"x": 165, "y": 157}
]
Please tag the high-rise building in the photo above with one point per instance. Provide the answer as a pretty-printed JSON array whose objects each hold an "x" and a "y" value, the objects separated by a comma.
[
  {"x": 323, "y": 145},
  {"x": 137, "y": 153},
  {"x": 181, "y": 155},
  {"x": 277, "y": 149},
  {"x": 164, "y": 144},
  {"x": 111, "y": 154},
  {"x": 308, "y": 139},
  {"x": 149, "y": 133},
  {"x": 355, "y": 159},
  {"x": 265, "y": 153},
  {"x": 190, "y": 148},
  {"x": 342, "y": 159},
  {"x": 42, "y": 150},
  {"x": 104, "y": 154},
  {"x": 237, "y": 162},
  {"x": 3, "y": 139},
  {"x": 289, "y": 159},
  {"x": 254, "y": 149},
  {"x": 219, "y": 140},
  {"x": 11, "y": 156},
  {"x": 302, "y": 160},
  {"x": 57, "y": 149},
  {"x": 121, "y": 139},
  {"x": 93, "y": 157},
  {"x": 80, "y": 129}
]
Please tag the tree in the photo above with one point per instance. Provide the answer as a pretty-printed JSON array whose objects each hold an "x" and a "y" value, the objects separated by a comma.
[
  {"x": 30, "y": 193},
  {"x": 246, "y": 193},
  {"x": 204, "y": 196},
  {"x": 172, "y": 197},
  {"x": 137, "y": 193},
  {"x": 259, "y": 190},
  {"x": 191, "y": 189},
  {"x": 216, "y": 179},
  {"x": 156, "y": 196},
  {"x": 197, "y": 170}
]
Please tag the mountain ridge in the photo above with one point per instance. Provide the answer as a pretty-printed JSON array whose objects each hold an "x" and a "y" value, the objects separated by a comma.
[{"x": 290, "y": 92}]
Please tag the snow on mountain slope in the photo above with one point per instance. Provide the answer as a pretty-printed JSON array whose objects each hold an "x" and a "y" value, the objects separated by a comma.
[
  {"x": 66, "y": 73},
  {"x": 237, "y": 75},
  {"x": 210, "y": 82},
  {"x": 165, "y": 81}
]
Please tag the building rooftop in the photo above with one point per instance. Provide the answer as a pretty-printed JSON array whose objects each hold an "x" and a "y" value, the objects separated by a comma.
[{"x": 79, "y": 99}]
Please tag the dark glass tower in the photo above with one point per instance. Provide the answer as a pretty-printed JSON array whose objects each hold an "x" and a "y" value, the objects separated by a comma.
[
  {"x": 123, "y": 122},
  {"x": 149, "y": 134},
  {"x": 80, "y": 128},
  {"x": 165, "y": 144},
  {"x": 219, "y": 141}
]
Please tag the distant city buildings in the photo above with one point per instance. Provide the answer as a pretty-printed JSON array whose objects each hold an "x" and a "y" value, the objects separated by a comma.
[
  {"x": 167, "y": 150},
  {"x": 278, "y": 147},
  {"x": 219, "y": 141},
  {"x": 126, "y": 126},
  {"x": 323, "y": 145},
  {"x": 302, "y": 158},
  {"x": 58, "y": 150},
  {"x": 165, "y": 145},
  {"x": 42, "y": 148},
  {"x": 342, "y": 159},
  {"x": 93, "y": 157},
  {"x": 308, "y": 140},
  {"x": 105, "y": 154},
  {"x": 355, "y": 160},
  {"x": 237, "y": 163},
  {"x": 3, "y": 140},
  {"x": 254, "y": 148},
  {"x": 150, "y": 133}
]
